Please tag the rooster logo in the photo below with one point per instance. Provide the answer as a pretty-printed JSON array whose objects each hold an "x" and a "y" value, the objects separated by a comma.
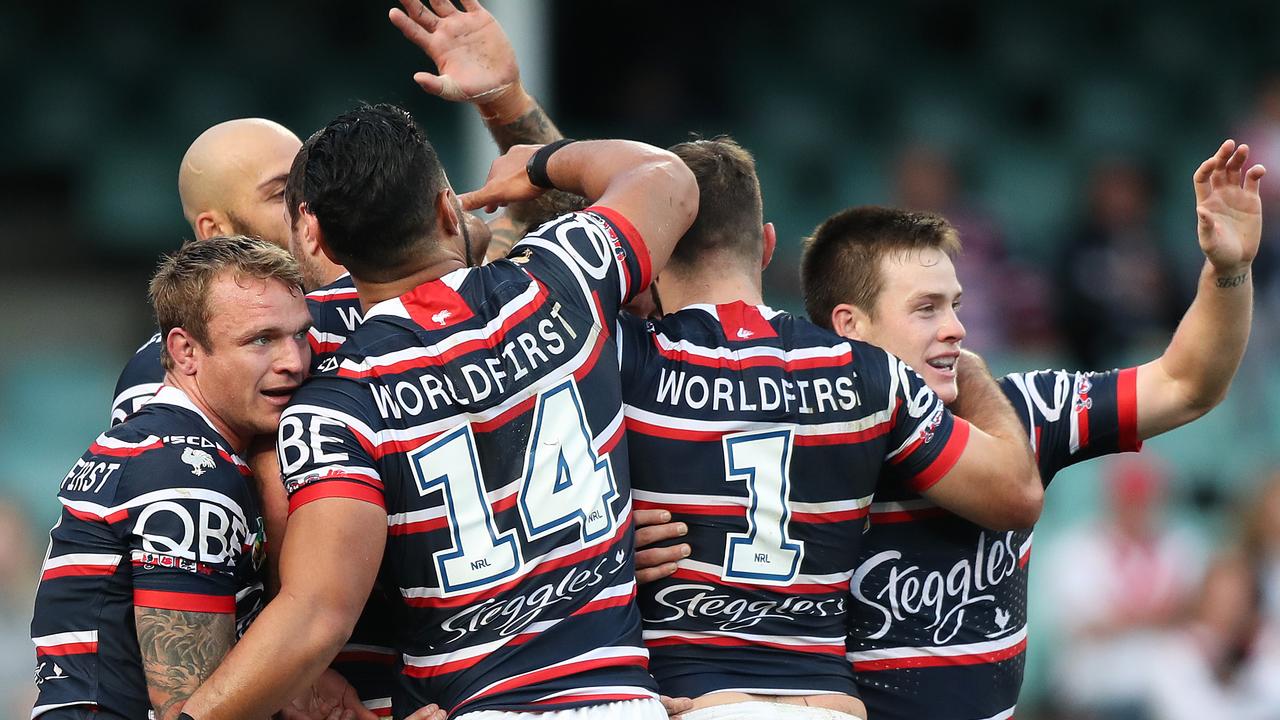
[
  {"x": 441, "y": 317},
  {"x": 199, "y": 460},
  {"x": 1002, "y": 618},
  {"x": 744, "y": 334}
]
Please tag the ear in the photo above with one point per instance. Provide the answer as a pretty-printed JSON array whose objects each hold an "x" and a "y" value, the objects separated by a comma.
[
  {"x": 770, "y": 244},
  {"x": 210, "y": 224},
  {"x": 850, "y": 321},
  {"x": 447, "y": 212},
  {"x": 309, "y": 236},
  {"x": 184, "y": 349}
]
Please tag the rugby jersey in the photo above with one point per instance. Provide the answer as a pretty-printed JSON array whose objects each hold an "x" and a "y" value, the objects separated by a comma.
[
  {"x": 940, "y": 604},
  {"x": 483, "y": 411},
  {"x": 157, "y": 513},
  {"x": 766, "y": 435},
  {"x": 335, "y": 312}
]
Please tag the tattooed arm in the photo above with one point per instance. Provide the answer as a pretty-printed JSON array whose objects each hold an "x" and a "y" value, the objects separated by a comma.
[
  {"x": 1195, "y": 371},
  {"x": 179, "y": 652}
]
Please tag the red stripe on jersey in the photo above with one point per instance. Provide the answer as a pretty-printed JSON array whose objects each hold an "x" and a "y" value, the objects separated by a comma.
[
  {"x": 849, "y": 438},
  {"x": 336, "y": 488},
  {"x": 72, "y": 648},
  {"x": 110, "y": 519},
  {"x": 946, "y": 459},
  {"x": 132, "y": 451},
  {"x": 742, "y": 642},
  {"x": 799, "y": 588},
  {"x": 1082, "y": 420},
  {"x": 900, "y": 516},
  {"x": 743, "y": 323},
  {"x": 1127, "y": 408},
  {"x": 754, "y": 361},
  {"x": 420, "y": 671},
  {"x": 544, "y": 567},
  {"x": 663, "y": 431},
  {"x": 507, "y": 416},
  {"x": 638, "y": 247},
  {"x": 561, "y": 671},
  {"x": 590, "y": 364},
  {"x": 599, "y": 699},
  {"x": 194, "y": 602},
  {"x": 419, "y": 526},
  {"x": 77, "y": 571},
  {"x": 924, "y": 661},
  {"x": 391, "y": 447},
  {"x": 459, "y": 350},
  {"x": 244, "y": 470},
  {"x": 1024, "y": 559},
  {"x": 678, "y": 509},
  {"x": 612, "y": 442},
  {"x": 830, "y": 517},
  {"x": 381, "y": 712},
  {"x": 606, "y": 603},
  {"x": 322, "y": 348}
]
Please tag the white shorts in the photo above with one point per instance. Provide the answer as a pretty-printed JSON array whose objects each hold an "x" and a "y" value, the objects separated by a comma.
[
  {"x": 756, "y": 710},
  {"x": 626, "y": 710}
]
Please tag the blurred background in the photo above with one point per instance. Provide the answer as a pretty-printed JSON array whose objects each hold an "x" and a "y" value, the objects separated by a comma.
[{"x": 1059, "y": 137}]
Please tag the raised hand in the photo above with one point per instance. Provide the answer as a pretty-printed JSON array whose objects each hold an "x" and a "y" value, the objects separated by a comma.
[
  {"x": 1229, "y": 209},
  {"x": 474, "y": 59}
]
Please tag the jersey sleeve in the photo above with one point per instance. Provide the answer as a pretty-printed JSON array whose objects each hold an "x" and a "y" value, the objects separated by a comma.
[
  {"x": 186, "y": 530},
  {"x": 597, "y": 254},
  {"x": 1074, "y": 416},
  {"x": 633, "y": 349},
  {"x": 139, "y": 381},
  {"x": 925, "y": 439},
  {"x": 327, "y": 449}
]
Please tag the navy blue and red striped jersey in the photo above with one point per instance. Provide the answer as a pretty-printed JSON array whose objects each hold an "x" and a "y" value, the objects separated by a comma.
[
  {"x": 335, "y": 312},
  {"x": 939, "y": 624},
  {"x": 768, "y": 436},
  {"x": 483, "y": 411},
  {"x": 157, "y": 513}
]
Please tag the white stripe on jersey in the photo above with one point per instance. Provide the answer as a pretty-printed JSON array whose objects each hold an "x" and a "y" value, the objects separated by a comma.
[
  {"x": 597, "y": 690},
  {"x": 112, "y": 444},
  {"x": 89, "y": 559},
  {"x": 41, "y": 709},
  {"x": 793, "y": 640},
  {"x": 326, "y": 292},
  {"x": 527, "y": 569},
  {"x": 1002, "y": 715},
  {"x": 902, "y": 506},
  {"x": 66, "y": 638},
  {"x": 617, "y": 651},
  {"x": 390, "y": 308},
  {"x": 744, "y": 501},
  {"x": 434, "y": 350},
  {"x": 1026, "y": 546},
  {"x": 978, "y": 648},
  {"x": 176, "y": 493},
  {"x": 800, "y": 579},
  {"x": 326, "y": 338},
  {"x": 841, "y": 350},
  {"x": 731, "y": 426}
]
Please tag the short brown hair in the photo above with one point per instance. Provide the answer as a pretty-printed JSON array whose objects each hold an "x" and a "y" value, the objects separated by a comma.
[
  {"x": 730, "y": 210},
  {"x": 180, "y": 286},
  {"x": 841, "y": 261}
]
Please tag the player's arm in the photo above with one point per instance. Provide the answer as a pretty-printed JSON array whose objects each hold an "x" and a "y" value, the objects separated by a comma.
[
  {"x": 1195, "y": 371},
  {"x": 327, "y": 569},
  {"x": 994, "y": 481},
  {"x": 180, "y": 650},
  {"x": 648, "y": 186},
  {"x": 476, "y": 64}
]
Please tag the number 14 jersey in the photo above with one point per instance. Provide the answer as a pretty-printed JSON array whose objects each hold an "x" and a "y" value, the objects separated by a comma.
[{"x": 483, "y": 411}]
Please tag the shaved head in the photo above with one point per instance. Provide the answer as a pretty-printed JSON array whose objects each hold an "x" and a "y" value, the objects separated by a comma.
[{"x": 232, "y": 180}]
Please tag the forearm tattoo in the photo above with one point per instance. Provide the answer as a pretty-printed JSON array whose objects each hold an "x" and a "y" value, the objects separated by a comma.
[
  {"x": 1233, "y": 281},
  {"x": 180, "y": 650},
  {"x": 532, "y": 128}
]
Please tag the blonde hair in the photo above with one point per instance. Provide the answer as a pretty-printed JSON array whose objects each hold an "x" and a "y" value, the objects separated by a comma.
[{"x": 179, "y": 288}]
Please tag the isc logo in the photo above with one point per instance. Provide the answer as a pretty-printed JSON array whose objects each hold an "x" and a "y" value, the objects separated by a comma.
[{"x": 192, "y": 529}]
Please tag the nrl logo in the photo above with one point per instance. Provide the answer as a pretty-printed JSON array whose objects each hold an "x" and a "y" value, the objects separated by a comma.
[{"x": 199, "y": 460}]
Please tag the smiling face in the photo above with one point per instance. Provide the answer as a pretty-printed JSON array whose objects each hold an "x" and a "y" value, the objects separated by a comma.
[
  {"x": 256, "y": 355},
  {"x": 915, "y": 316}
]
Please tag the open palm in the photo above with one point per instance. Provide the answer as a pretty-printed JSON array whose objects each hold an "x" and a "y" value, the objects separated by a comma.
[
  {"x": 1228, "y": 207},
  {"x": 473, "y": 57}
]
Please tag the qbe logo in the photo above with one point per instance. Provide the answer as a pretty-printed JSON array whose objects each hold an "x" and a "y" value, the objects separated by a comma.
[{"x": 197, "y": 530}]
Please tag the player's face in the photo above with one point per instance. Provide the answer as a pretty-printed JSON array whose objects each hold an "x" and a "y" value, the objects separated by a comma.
[
  {"x": 257, "y": 203},
  {"x": 257, "y": 354},
  {"x": 915, "y": 316}
]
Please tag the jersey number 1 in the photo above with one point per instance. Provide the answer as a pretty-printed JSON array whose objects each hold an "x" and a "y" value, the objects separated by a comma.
[{"x": 765, "y": 554}]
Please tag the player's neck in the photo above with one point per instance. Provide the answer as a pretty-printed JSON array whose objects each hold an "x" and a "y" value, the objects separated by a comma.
[
  {"x": 188, "y": 385},
  {"x": 711, "y": 288}
]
